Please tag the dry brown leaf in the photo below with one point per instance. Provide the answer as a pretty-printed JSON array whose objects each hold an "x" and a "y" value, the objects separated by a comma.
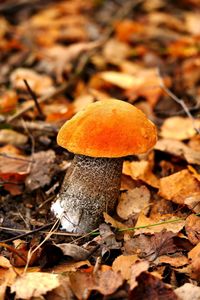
[
  {"x": 151, "y": 246},
  {"x": 42, "y": 169},
  {"x": 141, "y": 170},
  {"x": 40, "y": 84},
  {"x": 123, "y": 265},
  {"x": 179, "y": 149},
  {"x": 188, "y": 291},
  {"x": 145, "y": 221},
  {"x": 8, "y": 101},
  {"x": 111, "y": 55},
  {"x": 136, "y": 270},
  {"x": 179, "y": 128},
  {"x": 69, "y": 267},
  {"x": 174, "y": 261},
  {"x": 192, "y": 228},
  {"x": 174, "y": 187},
  {"x": 74, "y": 251},
  {"x": 106, "y": 283},
  {"x": 34, "y": 285},
  {"x": 116, "y": 224},
  {"x": 194, "y": 256},
  {"x": 9, "y": 136},
  {"x": 63, "y": 292},
  {"x": 133, "y": 201}
]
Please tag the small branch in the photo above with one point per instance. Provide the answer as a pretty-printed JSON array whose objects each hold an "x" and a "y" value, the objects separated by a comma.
[
  {"x": 177, "y": 100},
  {"x": 16, "y": 158},
  {"x": 34, "y": 97}
]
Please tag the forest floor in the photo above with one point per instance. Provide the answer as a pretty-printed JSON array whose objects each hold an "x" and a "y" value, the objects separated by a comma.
[{"x": 56, "y": 57}]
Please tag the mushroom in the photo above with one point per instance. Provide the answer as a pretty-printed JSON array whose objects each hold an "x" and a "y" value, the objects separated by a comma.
[{"x": 100, "y": 136}]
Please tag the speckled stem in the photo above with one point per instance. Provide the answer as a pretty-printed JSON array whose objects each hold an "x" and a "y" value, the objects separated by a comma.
[{"x": 90, "y": 188}]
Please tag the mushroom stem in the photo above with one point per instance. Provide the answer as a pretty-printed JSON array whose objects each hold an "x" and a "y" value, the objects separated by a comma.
[{"x": 90, "y": 187}]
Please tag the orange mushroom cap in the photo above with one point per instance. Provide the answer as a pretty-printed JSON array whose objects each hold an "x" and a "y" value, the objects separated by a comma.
[{"x": 108, "y": 128}]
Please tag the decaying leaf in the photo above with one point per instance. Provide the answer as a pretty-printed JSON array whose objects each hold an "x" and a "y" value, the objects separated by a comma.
[
  {"x": 133, "y": 201},
  {"x": 42, "y": 169},
  {"x": 194, "y": 256},
  {"x": 173, "y": 187},
  {"x": 151, "y": 246},
  {"x": 192, "y": 228},
  {"x": 34, "y": 285},
  {"x": 123, "y": 264},
  {"x": 108, "y": 239},
  {"x": 179, "y": 128}
]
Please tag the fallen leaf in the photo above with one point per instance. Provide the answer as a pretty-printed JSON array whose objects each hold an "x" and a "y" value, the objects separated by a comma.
[
  {"x": 123, "y": 264},
  {"x": 108, "y": 239},
  {"x": 136, "y": 270},
  {"x": 192, "y": 21},
  {"x": 141, "y": 170},
  {"x": 34, "y": 285},
  {"x": 106, "y": 283},
  {"x": 9, "y": 136},
  {"x": 42, "y": 169},
  {"x": 39, "y": 84},
  {"x": 179, "y": 149},
  {"x": 74, "y": 251},
  {"x": 179, "y": 128},
  {"x": 176, "y": 261},
  {"x": 133, "y": 201},
  {"x": 194, "y": 256},
  {"x": 188, "y": 291},
  {"x": 192, "y": 228},
  {"x": 173, "y": 187},
  {"x": 116, "y": 224},
  {"x": 151, "y": 288},
  {"x": 151, "y": 246},
  {"x": 167, "y": 220},
  {"x": 8, "y": 101},
  {"x": 115, "y": 57},
  {"x": 63, "y": 292}
]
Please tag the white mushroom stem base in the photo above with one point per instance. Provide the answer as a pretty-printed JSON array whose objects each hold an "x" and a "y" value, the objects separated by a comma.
[{"x": 90, "y": 187}]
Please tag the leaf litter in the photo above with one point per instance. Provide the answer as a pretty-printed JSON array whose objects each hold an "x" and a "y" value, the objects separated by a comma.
[{"x": 73, "y": 53}]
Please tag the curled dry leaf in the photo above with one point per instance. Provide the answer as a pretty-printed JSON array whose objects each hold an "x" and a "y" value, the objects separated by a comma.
[
  {"x": 123, "y": 264},
  {"x": 173, "y": 187},
  {"x": 188, "y": 291},
  {"x": 179, "y": 128},
  {"x": 194, "y": 256},
  {"x": 133, "y": 201},
  {"x": 34, "y": 285},
  {"x": 74, "y": 251},
  {"x": 114, "y": 223},
  {"x": 39, "y": 83},
  {"x": 179, "y": 149},
  {"x": 192, "y": 228},
  {"x": 141, "y": 170}
]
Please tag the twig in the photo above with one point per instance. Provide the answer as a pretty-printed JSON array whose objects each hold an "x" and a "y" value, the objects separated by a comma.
[
  {"x": 177, "y": 100},
  {"x": 44, "y": 98},
  {"x": 28, "y": 233},
  {"x": 16, "y": 158},
  {"x": 34, "y": 97}
]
